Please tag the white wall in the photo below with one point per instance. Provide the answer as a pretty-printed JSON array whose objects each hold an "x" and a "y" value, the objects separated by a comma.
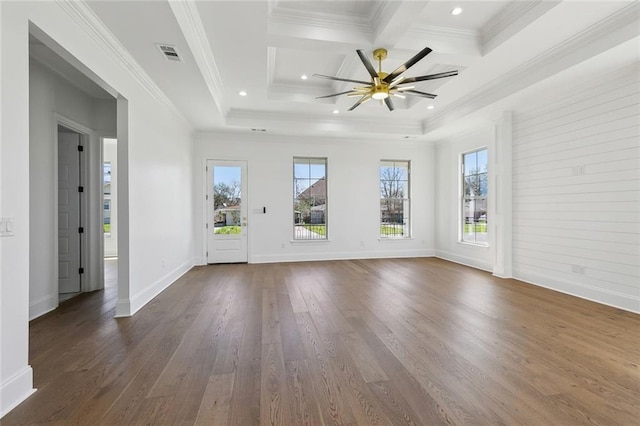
[
  {"x": 158, "y": 169},
  {"x": 111, "y": 239},
  {"x": 50, "y": 94},
  {"x": 576, "y": 184},
  {"x": 353, "y": 195},
  {"x": 447, "y": 201}
]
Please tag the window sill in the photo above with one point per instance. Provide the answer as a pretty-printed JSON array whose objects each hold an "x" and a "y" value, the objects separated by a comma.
[
  {"x": 309, "y": 241},
  {"x": 468, "y": 243},
  {"x": 395, "y": 239}
]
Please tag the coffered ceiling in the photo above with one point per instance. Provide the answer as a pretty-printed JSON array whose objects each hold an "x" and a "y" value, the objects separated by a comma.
[{"x": 500, "y": 48}]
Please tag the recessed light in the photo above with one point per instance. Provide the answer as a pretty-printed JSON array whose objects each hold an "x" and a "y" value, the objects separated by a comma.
[
  {"x": 430, "y": 107},
  {"x": 242, "y": 93},
  {"x": 335, "y": 111},
  {"x": 304, "y": 77},
  {"x": 456, "y": 11}
]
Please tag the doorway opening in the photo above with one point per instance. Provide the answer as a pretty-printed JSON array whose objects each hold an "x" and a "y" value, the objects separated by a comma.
[
  {"x": 110, "y": 211},
  {"x": 72, "y": 167}
]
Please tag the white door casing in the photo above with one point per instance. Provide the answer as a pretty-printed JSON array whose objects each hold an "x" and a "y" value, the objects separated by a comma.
[
  {"x": 227, "y": 224},
  {"x": 68, "y": 213}
]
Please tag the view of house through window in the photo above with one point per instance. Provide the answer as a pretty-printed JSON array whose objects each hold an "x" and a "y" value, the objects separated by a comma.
[
  {"x": 394, "y": 199},
  {"x": 227, "y": 198},
  {"x": 474, "y": 197},
  {"x": 309, "y": 198},
  {"x": 106, "y": 196}
]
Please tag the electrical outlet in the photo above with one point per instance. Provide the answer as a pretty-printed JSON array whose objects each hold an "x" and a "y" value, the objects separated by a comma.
[{"x": 578, "y": 269}]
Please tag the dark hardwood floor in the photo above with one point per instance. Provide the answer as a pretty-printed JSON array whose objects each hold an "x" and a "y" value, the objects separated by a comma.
[{"x": 402, "y": 341}]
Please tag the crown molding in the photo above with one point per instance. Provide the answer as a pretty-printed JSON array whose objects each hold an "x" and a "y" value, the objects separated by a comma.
[
  {"x": 311, "y": 124},
  {"x": 283, "y": 15},
  {"x": 444, "y": 39},
  {"x": 433, "y": 31},
  {"x": 88, "y": 21},
  {"x": 509, "y": 21},
  {"x": 383, "y": 13},
  {"x": 565, "y": 54},
  {"x": 190, "y": 22}
]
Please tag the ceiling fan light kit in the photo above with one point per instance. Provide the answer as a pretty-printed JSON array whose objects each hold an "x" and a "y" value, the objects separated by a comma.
[{"x": 383, "y": 85}]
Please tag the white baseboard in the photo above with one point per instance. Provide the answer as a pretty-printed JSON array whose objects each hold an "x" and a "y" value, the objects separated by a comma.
[
  {"x": 463, "y": 260},
  {"x": 310, "y": 257},
  {"x": 606, "y": 297},
  {"x": 123, "y": 308},
  {"x": 128, "y": 307},
  {"x": 16, "y": 389},
  {"x": 42, "y": 306}
]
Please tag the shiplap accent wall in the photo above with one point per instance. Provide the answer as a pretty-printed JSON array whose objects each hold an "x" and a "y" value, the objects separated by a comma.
[{"x": 576, "y": 192}]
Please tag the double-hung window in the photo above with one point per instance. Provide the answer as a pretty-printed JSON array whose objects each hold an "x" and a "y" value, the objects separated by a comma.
[
  {"x": 395, "y": 201},
  {"x": 474, "y": 197},
  {"x": 309, "y": 198}
]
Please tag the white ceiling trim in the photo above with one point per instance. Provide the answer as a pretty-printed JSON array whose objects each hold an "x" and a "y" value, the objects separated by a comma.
[
  {"x": 390, "y": 22},
  {"x": 447, "y": 40},
  {"x": 317, "y": 20},
  {"x": 190, "y": 22},
  {"x": 88, "y": 21},
  {"x": 302, "y": 123},
  {"x": 570, "y": 52},
  {"x": 510, "y": 20}
]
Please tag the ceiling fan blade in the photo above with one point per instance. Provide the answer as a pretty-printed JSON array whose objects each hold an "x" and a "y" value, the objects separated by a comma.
[
  {"x": 335, "y": 94},
  {"x": 362, "y": 100},
  {"x": 328, "y": 77},
  {"x": 389, "y": 104},
  {"x": 411, "y": 62},
  {"x": 418, "y": 93},
  {"x": 430, "y": 77},
  {"x": 367, "y": 64}
]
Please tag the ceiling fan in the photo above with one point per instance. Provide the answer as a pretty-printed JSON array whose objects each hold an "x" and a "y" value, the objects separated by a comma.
[{"x": 382, "y": 85}]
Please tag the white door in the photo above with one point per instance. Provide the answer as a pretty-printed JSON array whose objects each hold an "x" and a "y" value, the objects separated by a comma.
[
  {"x": 68, "y": 213},
  {"x": 226, "y": 211}
]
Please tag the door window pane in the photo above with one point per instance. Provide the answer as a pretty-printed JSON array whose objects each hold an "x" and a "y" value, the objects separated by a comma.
[{"x": 227, "y": 199}]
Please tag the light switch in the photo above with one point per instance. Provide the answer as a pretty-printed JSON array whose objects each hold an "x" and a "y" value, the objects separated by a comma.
[{"x": 6, "y": 227}]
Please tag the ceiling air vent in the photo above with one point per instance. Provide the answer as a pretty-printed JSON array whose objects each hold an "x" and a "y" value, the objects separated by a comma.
[{"x": 169, "y": 52}]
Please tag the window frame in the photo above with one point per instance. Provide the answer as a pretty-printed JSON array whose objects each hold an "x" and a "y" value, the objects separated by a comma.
[
  {"x": 407, "y": 199},
  {"x": 462, "y": 197},
  {"x": 310, "y": 160}
]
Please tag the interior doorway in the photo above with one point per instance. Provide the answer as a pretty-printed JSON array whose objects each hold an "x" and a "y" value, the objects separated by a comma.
[
  {"x": 71, "y": 211},
  {"x": 110, "y": 210}
]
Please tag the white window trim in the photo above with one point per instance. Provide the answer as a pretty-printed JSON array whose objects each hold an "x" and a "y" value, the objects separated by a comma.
[
  {"x": 326, "y": 209},
  {"x": 461, "y": 221},
  {"x": 409, "y": 235}
]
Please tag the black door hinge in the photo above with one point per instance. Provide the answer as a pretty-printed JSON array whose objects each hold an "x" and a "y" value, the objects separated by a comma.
[
  {"x": 81, "y": 189},
  {"x": 81, "y": 271},
  {"x": 81, "y": 230},
  {"x": 80, "y": 148}
]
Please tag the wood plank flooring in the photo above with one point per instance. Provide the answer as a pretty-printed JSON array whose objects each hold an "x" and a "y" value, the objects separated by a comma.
[{"x": 367, "y": 342}]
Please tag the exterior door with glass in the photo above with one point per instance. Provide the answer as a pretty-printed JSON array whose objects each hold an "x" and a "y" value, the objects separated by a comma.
[{"x": 226, "y": 211}]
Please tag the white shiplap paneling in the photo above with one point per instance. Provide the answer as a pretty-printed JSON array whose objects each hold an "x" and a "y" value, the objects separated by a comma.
[{"x": 576, "y": 192}]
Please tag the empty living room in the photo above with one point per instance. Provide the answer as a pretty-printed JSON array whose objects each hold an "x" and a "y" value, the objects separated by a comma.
[{"x": 293, "y": 212}]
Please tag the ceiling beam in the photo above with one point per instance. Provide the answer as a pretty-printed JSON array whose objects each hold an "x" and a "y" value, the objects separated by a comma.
[
  {"x": 190, "y": 22},
  {"x": 392, "y": 20}
]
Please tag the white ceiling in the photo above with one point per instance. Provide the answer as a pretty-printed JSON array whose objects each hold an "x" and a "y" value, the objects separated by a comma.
[{"x": 500, "y": 48}]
